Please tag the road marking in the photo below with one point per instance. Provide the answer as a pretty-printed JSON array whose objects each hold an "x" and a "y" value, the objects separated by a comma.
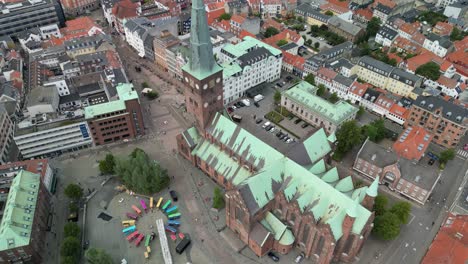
[
  {"x": 412, "y": 218},
  {"x": 462, "y": 153}
]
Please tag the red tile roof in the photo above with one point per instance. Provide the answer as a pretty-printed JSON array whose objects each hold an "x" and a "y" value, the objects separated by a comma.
[
  {"x": 365, "y": 13},
  {"x": 125, "y": 9},
  {"x": 425, "y": 57},
  {"x": 272, "y": 23},
  {"x": 399, "y": 110},
  {"x": 442, "y": 28},
  {"x": 388, "y": 3},
  {"x": 294, "y": 60},
  {"x": 334, "y": 8},
  {"x": 451, "y": 243},
  {"x": 414, "y": 144},
  {"x": 358, "y": 88},
  {"x": 215, "y": 10},
  {"x": 394, "y": 56},
  {"x": 215, "y": 6},
  {"x": 407, "y": 45},
  {"x": 38, "y": 166},
  {"x": 326, "y": 73},
  {"x": 408, "y": 28},
  {"x": 287, "y": 34},
  {"x": 384, "y": 102},
  {"x": 447, "y": 82},
  {"x": 344, "y": 3},
  {"x": 461, "y": 44},
  {"x": 238, "y": 19},
  {"x": 245, "y": 33},
  {"x": 418, "y": 38}
]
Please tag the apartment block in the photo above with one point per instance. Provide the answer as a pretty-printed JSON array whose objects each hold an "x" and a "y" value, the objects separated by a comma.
[{"x": 448, "y": 122}]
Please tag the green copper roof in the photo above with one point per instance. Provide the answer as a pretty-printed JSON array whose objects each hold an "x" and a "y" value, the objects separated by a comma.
[
  {"x": 317, "y": 145},
  {"x": 304, "y": 94},
  {"x": 201, "y": 62},
  {"x": 125, "y": 92},
  {"x": 331, "y": 176},
  {"x": 275, "y": 173},
  {"x": 353, "y": 210},
  {"x": 16, "y": 225},
  {"x": 246, "y": 45},
  {"x": 373, "y": 188},
  {"x": 274, "y": 225},
  {"x": 359, "y": 193},
  {"x": 229, "y": 69},
  {"x": 332, "y": 137},
  {"x": 318, "y": 167},
  {"x": 345, "y": 185}
]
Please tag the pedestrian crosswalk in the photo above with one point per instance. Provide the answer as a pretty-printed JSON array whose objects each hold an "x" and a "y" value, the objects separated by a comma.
[{"x": 462, "y": 153}]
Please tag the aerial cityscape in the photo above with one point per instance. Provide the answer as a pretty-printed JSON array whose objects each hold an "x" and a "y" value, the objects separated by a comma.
[{"x": 234, "y": 131}]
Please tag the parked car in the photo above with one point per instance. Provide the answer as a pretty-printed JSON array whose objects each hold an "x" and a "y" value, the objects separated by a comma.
[
  {"x": 279, "y": 84},
  {"x": 465, "y": 147},
  {"x": 279, "y": 134},
  {"x": 174, "y": 195},
  {"x": 305, "y": 125},
  {"x": 297, "y": 121},
  {"x": 272, "y": 130},
  {"x": 230, "y": 109},
  {"x": 266, "y": 124},
  {"x": 258, "y": 97},
  {"x": 273, "y": 256},
  {"x": 256, "y": 104},
  {"x": 283, "y": 136},
  {"x": 290, "y": 140},
  {"x": 289, "y": 78},
  {"x": 267, "y": 128},
  {"x": 299, "y": 257},
  {"x": 246, "y": 102},
  {"x": 258, "y": 121},
  {"x": 431, "y": 161},
  {"x": 286, "y": 138}
]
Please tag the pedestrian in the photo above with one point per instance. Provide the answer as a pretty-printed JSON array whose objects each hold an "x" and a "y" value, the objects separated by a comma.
[{"x": 433, "y": 223}]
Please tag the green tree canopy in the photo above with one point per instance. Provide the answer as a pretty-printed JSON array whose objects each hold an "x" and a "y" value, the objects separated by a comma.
[
  {"x": 69, "y": 260},
  {"x": 329, "y": 13},
  {"x": 432, "y": 17},
  {"x": 73, "y": 191},
  {"x": 153, "y": 95},
  {"x": 361, "y": 111},
  {"x": 300, "y": 19},
  {"x": 281, "y": 42},
  {"x": 70, "y": 247},
  {"x": 446, "y": 155},
  {"x": 321, "y": 89},
  {"x": 387, "y": 226},
  {"x": 225, "y": 16},
  {"x": 380, "y": 204},
  {"x": 270, "y": 31},
  {"x": 71, "y": 230},
  {"x": 97, "y": 256},
  {"x": 277, "y": 97},
  {"x": 141, "y": 174},
  {"x": 430, "y": 70},
  {"x": 145, "y": 85},
  {"x": 309, "y": 42},
  {"x": 376, "y": 130},
  {"x": 218, "y": 199},
  {"x": 348, "y": 136},
  {"x": 373, "y": 27},
  {"x": 457, "y": 34},
  {"x": 402, "y": 210},
  {"x": 316, "y": 45},
  {"x": 333, "y": 98},
  {"x": 310, "y": 78},
  {"x": 106, "y": 166}
]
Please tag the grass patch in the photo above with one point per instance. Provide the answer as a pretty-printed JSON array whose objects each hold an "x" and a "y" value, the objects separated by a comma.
[
  {"x": 284, "y": 112},
  {"x": 274, "y": 117}
]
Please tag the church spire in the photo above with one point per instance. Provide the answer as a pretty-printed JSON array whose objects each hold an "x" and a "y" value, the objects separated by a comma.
[
  {"x": 201, "y": 59},
  {"x": 373, "y": 188}
]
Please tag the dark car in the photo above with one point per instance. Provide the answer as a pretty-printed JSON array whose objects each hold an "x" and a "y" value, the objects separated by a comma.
[
  {"x": 279, "y": 84},
  {"x": 297, "y": 121},
  {"x": 230, "y": 109},
  {"x": 305, "y": 125},
  {"x": 431, "y": 161},
  {"x": 279, "y": 134},
  {"x": 267, "y": 128},
  {"x": 258, "y": 121},
  {"x": 289, "y": 78},
  {"x": 256, "y": 104},
  {"x": 273, "y": 256},
  {"x": 173, "y": 195}
]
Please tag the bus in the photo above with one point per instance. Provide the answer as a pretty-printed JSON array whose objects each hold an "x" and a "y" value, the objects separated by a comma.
[
  {"x": 171, "y": 210},
  {"x": 132, "y": 236},
  {"x": 147, "y": 240},
  {"x": 143, "y": 205},
  {"x": 139, "y": 239},
  {"x": 136, "y": 209},
  {"x": 174, "y": 216},
  {"x": 132, "y": 216},
  {"x": 159, "y": 202},
  {"x": 166, "y": 204},
  {"x": 173, "y": 223},
  {"x": 128, "y": 223},
  {"x": 170, "y": 229},
  {"x": 151, "y": 202},
  {"x": 129, "y": 229},
  {"x": 183, "y": 245}
]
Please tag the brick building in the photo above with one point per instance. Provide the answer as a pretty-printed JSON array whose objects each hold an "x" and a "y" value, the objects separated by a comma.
[
  {"x": 37, "y": 166},
  {"x": 116, "y": 120},
  {"x": 24, "y": 223},
  {"x": 274, "y": 201},
  {"x": 448, "y": 122},
  {"x": 78, "y": 7}
]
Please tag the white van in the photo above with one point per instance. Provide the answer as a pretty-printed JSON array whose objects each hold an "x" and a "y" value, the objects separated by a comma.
[
  {"x": 246, "y": 102},
  {"x": 258, "y": 98}
]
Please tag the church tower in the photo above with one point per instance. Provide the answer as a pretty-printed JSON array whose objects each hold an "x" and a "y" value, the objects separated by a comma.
[{"x": 203, "y": 77}]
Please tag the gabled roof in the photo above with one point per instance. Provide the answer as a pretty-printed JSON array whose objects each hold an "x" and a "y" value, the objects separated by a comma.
[
  {"x": 412, "y": 143},
  {"x": 450, "y": 111}
]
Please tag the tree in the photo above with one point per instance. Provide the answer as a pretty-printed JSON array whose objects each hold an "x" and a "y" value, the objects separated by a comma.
[
  {"x": 430, "y": 70},
  {"x": 106, "y": 166},
  {"x": 145, "y": 85},
  {"x": 333, "y": 98},
  {"x": 70, "y": 247},
  {"x": 218, "y": 199},
  {"x": 376, "y": 130},
  {"x": 73, "y": 191},
  {"x": 380, "y": 204},
  {"x": 281, "y": 42},
  {"x": 225, "y": 16},
  {"x": 69, "y": 260},
  {"x": 97, "y": 256},
  {"x": 402, "y": 210},
  {"x": 329, "y": 13},
  {"x": 387, "y": 226},
  {"x": 348, "y": 136},
  {"x": 73, "y": 208},
  {"x": 360, "y": 112},
  {"x": 141, "y": 174},
  {"x": 310, "y": 78},
  {"x": 457, "y": 34},
  {"x": 316, "y": 45},
  {"x": 446, "y": 155},
  {"x": 277, "y": 97},
  {"x": 152, "y": 95},
  {"x": 300, "y": 19},
  {"x": 321, "y": 90},
  {"x": 309, "y": 42},
  {"x": 270, "y": 31},
  {"x": 373, "y": 27},
  {"x": 71, "y": 230}
]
